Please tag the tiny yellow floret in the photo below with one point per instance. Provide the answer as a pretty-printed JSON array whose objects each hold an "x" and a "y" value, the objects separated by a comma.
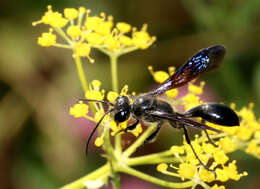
[
  {"x": 187, "y": 170},
  {"x": 220, "y": 157},
  {"x": 162, "y": 167},
  {"x": 95, "y": 38},
  {"x": 173, "y": 93},
  {"x": 123, "y": 27},
  {"x": 79, "y": 110},
  {"x": 206, "y": 176},
  {"x": 99, "y": 141},
  {"x": 227, "y": 145},
  {"x": 70, "y": 13},
  {"x": 74, "y": 31},
  {"x": 111, "y": 96},
  {"x": 160, "y": 76},
  {"x": 217, "y": 187},
  {"x": 82, "y": 49},
  {"x": 124, "y": 40},
  {"x": 93, "y": 22},
  {"x": 47, "y": 39},
  {"x": 91, "y": 94}
]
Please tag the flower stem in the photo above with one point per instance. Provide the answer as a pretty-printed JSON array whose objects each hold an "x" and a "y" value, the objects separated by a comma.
[
  {"x": 81, "y": 74},
  {"x": 114, "y": 71},
  {"x": 139, "y": 141},
  {"x": 153, "y": 159},
  {"x": 131, "y": 171},
  {"x": 112, "y": 160},
  {"x": 79, "y": 184}
]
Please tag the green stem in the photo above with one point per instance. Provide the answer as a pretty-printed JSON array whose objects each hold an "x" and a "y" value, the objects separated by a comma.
[
  {"x": 81, "y": 74},
  {"x": 114, "y": 71},
  {"x": 139, "y": 141},
  {"x": 155, "y": 180},
  {"x": 79, "y": 184},
  {"x": 152, "y": 159},
  {"x": 63, "y": 34},
  {"x": 112, "y": 160}
]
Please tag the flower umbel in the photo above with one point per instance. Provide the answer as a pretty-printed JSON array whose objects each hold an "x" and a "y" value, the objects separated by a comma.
[{"x": 83, "y": 32}]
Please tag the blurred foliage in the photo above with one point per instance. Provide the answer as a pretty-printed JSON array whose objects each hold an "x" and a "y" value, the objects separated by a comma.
[{"x": 41, "y": 146}]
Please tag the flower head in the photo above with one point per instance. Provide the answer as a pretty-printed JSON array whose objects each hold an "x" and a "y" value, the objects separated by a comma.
[{"x": 82, "y": 32}]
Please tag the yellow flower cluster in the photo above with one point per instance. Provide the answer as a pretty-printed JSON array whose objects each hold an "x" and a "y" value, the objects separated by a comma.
[
  {"x": 83, "y": 32},
  {"x": 95, "y": 92},
  {"x": 244, "y": 137}
]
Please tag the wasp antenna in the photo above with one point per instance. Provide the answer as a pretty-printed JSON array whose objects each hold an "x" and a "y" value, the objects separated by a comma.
[
  {"x": 95, "y": 128},
  {"x": 94, "y": 100}
]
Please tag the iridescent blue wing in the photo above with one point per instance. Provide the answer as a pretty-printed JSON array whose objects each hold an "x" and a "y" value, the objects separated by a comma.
[{"x": 205, "y": 60}]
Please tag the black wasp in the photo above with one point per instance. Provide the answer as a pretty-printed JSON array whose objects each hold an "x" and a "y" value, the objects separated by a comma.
[{"x": 147, "y": 107}]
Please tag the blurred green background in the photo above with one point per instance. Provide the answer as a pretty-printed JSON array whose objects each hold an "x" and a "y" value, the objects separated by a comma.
[{"x": 41, "y": 146}]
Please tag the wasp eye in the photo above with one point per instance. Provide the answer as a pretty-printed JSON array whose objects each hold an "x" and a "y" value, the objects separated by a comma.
[{"x": 122, "y": 116}]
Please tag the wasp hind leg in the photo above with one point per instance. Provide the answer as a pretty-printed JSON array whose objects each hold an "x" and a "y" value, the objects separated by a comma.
[
  {"x": 196, "y": 155},
  {"x": 207, "y": 134}
]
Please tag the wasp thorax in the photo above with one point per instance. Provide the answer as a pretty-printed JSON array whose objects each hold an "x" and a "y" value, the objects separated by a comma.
[
  {"x": 122, "y": 109},
  {"x": 141, "y": 104}
]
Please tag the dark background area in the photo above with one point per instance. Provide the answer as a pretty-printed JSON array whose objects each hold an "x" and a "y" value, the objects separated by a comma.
[{"x": 42, "y": 146}]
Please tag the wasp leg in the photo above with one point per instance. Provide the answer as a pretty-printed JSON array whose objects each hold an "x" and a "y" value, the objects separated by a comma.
[
  {"x": 188, "y": 141},
  {"x": 154, "y": 134},
  {"x": 129, "y": 128},
  {"x": 207, "y": 134}
]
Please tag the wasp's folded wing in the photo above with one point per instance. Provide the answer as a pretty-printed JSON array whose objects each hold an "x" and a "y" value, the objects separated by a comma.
[
  {"x": 181, "y": 119},
  {"x": 204, "y": 61}
]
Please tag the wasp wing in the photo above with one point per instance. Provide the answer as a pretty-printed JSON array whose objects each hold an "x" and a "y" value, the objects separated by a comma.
[
  {"x": 205, "y": 60},
  {"x": 182, "y": 119}
]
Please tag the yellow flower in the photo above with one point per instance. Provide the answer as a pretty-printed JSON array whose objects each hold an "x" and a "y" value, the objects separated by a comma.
[
  {"x": 70, "y": 13},
  {"x": 97, "y": 95},
  {"x": 220, "y": 157},
  {"x": 93, "y": 22},
  {"x": 159, "y": 76},
  {"x": 198, "y": 90},
  {"x": 82, "y": 49},
  {"x": 142, "y": 39},
  {"x": 47, "y": 39},
  {"x": 99, "y": 141},
  {"x": 74, "y": 31},
  {"x": 111, "y": 42},
  {"x": 253, "y": 148},
  {"x": 123, "y": 27},
  {"x": 190, "y": 101},
  {"x": 177, "y": 150},
  {"x": 221, "y": 175},
  {"x": 226, "y": 144},
  {"x": 217, "y": 187},
  {"x": 206, "y": 176},
  {"x": 162, "y": 167},
  {"x": 54, "y": 19},
  {"x": 187, "y": 170},
  {"x": 208, "y": 148},
  {"x": 247, "y": 114},
  {"x": 137, "y": 131},
  {"x": 111, "y": 96},
  {"x": 96, "y": 84},
  {"x": 94, "y": 38},
  {"x": 244, "y": 133},
  {"x": 124, "y": 40},
  {"x": 104, "y": 28},
  {"x": 79, "y": 110},
  {"x": 173, "y": 93}
]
